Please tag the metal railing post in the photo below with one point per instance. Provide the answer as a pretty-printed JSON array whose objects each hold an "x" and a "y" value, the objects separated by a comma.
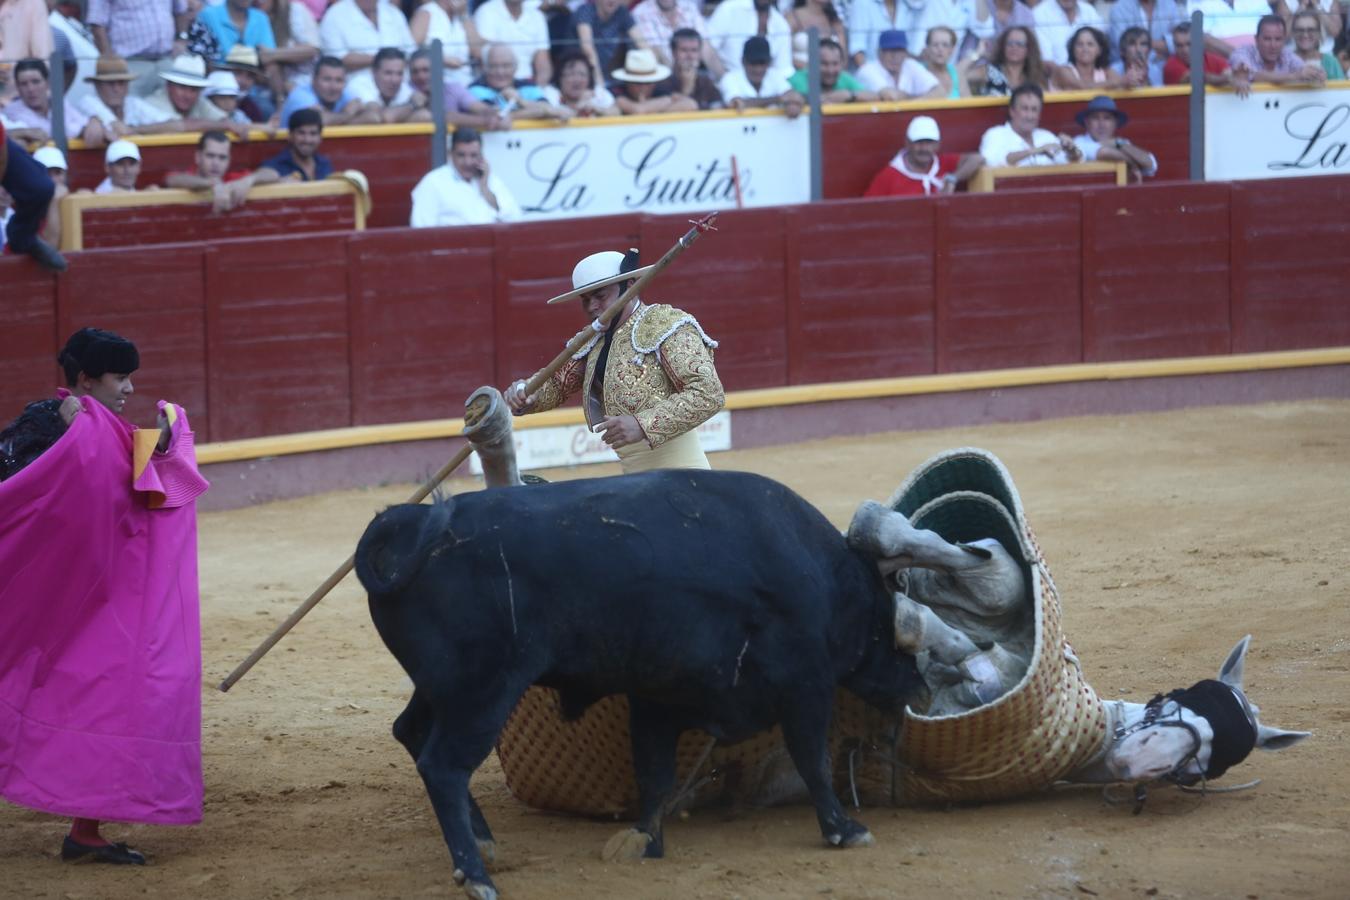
[
  {"x": 56, "y": 67},
  {"x": 437, "y": 103},
  {"x": 1197, "y": 108},
  {"x": 813, "y": 100}
]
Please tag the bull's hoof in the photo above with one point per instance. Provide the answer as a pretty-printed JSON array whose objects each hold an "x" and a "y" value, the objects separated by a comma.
[
  {"x": 860, "y": 837},
  {"x": 488, "y": 850},
  {"x": 480, "y": 890},
  {"x": 628, "y": 845}
]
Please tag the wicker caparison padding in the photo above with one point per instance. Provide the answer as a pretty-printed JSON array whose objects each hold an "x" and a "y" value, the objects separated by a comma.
[{"x": 1051, "y": 723}]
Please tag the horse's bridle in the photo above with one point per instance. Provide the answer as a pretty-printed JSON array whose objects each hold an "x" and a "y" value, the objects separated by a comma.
[{"x": 1153, "y": 715}]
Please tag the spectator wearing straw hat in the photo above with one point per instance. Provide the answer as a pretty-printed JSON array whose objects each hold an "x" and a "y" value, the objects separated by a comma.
[
  {"x": 112, "y": 102},
  {"x": 463, "y": 191},
  {"x": 636, "y": 86},
  {"x": 180, "y": 104},
  {"x": 757, "y": 84},
  {"x": 921, "y": 169},
  {"x": 255, "y": 96},
  {"x": 122, "y": 162},
  {"x": 1100, "y": 122},
  {"x": 894, "y": 74},
  {"x": 33, "y": 107}
]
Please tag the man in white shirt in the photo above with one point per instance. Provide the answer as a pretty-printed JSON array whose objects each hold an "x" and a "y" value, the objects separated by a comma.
[
  {"x": 525, "y": 29},
  {"x": 463, "y": 191},
  {"x": 1232, "y": 23},
  {"x": 354, "y": 30},
  {"x": 735, "y": 20},
  {"x": 122, "y": 162},
  {"x": 384, "y": 85},
  {"x": 1057, "y": 20},
  {"x": 1021, "y": 141},
  {"x": 757, "y": 84},
  {"x": 894, "y": 75},
  {"x": 120, "y": 111}
]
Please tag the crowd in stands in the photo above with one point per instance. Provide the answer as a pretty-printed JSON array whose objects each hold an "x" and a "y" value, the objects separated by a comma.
[{"x": 233, "y": 67}]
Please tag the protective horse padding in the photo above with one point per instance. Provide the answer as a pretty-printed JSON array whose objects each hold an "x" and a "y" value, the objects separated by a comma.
[{"x": 1051, "y": 723}]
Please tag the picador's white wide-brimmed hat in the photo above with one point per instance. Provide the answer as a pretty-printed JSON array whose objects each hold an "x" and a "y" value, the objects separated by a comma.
[{"x": 598, "y": 270}]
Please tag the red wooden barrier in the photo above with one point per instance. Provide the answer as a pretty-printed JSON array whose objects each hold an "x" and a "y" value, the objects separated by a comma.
[
  {"x": 1289, "y": 272},
  {"x": 283, "y": 334},
  {"x": 860, "y": 296},
  {"x": 1155, "y": 272},
  {"x": 123, "y": 226},
  {"x": 1008, "y": 280}
]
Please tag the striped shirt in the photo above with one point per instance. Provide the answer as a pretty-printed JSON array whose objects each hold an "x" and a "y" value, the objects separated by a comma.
[{"x": 137, "y": 27}]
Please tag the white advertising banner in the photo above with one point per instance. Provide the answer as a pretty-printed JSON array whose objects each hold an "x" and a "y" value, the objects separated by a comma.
[
  {"x": 575, "y": 445},
  {"x": 685, "y": 165},
  {"x": 1277, "y": 134}
]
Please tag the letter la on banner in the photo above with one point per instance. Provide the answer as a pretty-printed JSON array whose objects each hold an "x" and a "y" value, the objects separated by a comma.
[
  {"x": 1277, "y": 134},
  {"x": 609, "y": 166}
]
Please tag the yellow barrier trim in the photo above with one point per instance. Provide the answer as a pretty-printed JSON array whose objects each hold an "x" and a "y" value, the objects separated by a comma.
[{"x": 360, "y": 436}]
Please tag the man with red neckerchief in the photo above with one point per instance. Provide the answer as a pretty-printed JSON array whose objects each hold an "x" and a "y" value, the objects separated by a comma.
[{"x": 920, "y": 169}]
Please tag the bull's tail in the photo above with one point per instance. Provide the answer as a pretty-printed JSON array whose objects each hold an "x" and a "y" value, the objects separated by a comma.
[{"x": 396, "y": 545}]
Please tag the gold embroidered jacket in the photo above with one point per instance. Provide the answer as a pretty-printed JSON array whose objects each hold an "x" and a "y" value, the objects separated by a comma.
[{"x": 660, "y": 371}]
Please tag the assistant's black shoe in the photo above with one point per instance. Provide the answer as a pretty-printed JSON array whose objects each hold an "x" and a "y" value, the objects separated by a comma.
[
  {"x": 47, "y": 256},
  {"x": 117, "y": 854}
]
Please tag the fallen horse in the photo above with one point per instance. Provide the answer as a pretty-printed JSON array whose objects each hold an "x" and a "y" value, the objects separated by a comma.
[{"x": 718, "y": 601}]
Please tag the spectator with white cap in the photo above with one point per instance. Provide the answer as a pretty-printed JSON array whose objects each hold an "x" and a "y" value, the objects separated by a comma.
[
  {"x": 921, "y": 168},
  {"x": 122, "y": 160},
  {"x": 179, "y": 101},
  {"x": 55, "y": 162},
  {"x": 894, "y": 74}
]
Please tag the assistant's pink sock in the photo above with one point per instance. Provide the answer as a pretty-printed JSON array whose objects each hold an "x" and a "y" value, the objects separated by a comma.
[{"x": 85, "y": 831}]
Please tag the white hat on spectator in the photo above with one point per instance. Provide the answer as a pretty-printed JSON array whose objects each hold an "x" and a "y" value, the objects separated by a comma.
[
  {"x": 119, "y": 150},
  {"x": 641, "y": 67},
  {"x": 923, "y": 128},
  {"x": 221, "y": 84},
  {"x": 51, "y": 158},
  {"x": 188, "y": 70}
]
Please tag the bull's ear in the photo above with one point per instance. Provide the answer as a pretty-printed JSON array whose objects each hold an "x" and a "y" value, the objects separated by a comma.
[
  {"x": 1268, "y": 738},
  {"x": 1231, "y": 673}
]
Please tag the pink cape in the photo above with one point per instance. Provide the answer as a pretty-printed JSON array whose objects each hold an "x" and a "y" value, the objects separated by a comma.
[{"x": 100, "y": 647}]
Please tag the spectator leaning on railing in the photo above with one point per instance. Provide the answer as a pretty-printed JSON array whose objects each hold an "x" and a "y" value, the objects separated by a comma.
[
  {"x": 636, "y": 84},
  {"x": 461, "y": 107},
  {"x": 256, "y": 99},
  {"x": 211, "y": 172},
  {"x": 1015, "y": 61},
  {"x": 328, "y": 95},
  {"x": 122, "y": 162},
  {"x": 836, "y": 85},
  {"x": 179, "y": 102},
  {"x": 1021, "y": 141},
  {"x": 757, "y": 84},
  {"x": 894, "y": 74},
  {"x": 301, "y": 160},
  {"x": 939, "y": 47},
  {"x": 1270, "y": 61},
  {"x": 577, "y": 89},
  {"x": 1177, "y": 69},
  {"x": 1307, "y": 29},
  {"x": 1089, "y": 66},
  {"x": 33, "y": 107},
  {"x": 513, "y": 98}
]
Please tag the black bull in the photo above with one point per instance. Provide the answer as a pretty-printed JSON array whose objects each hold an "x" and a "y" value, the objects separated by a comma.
[{"x": 714, "y": 600}]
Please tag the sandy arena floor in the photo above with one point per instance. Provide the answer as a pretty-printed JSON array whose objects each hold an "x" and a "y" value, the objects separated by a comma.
[{"x": 1169, "y": 535}]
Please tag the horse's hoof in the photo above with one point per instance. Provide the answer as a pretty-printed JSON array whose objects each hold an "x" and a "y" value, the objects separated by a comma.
[
  {"x": 458, "y": 875},
  {"x": 862, "y": 839},
  {"x": 479, "y": 890},
  {"x": 488, "y": 850},
  {"x": 628, "y": 845}
]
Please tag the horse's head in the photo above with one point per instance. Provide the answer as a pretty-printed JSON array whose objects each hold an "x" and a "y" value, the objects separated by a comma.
[{"x": 1195, "y": 733}]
